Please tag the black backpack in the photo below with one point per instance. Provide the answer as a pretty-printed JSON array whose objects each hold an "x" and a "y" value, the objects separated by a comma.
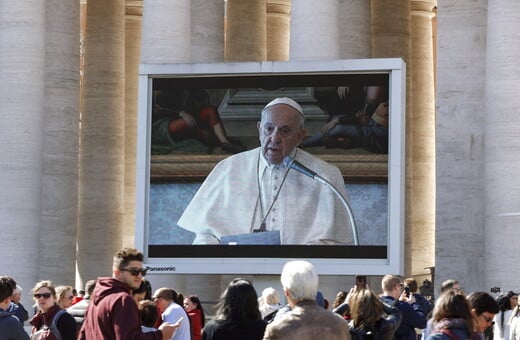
[{"x": 43, "y": 333}]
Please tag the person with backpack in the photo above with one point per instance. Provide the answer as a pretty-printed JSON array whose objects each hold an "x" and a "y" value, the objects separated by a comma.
[
  {"x": 371, "y": 317},
  {"x": 50, "y": 322}
]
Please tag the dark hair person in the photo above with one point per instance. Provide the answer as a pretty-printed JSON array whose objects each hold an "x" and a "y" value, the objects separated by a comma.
[
  {"x": 237, "y": 316},
  {"x": 452, "y": 318},
  {"x": 483, "y": 307},
  {"x": 506, "y": 303},
  {"x": 144, "y": 292},
  {"x": 194, "y": 309}
]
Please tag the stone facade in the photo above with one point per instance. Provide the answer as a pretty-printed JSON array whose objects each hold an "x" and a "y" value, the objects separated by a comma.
[{"x": 63, "y": 201}]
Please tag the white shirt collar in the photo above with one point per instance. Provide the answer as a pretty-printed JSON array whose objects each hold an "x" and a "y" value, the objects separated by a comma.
[{"x": 263, "y": 164}]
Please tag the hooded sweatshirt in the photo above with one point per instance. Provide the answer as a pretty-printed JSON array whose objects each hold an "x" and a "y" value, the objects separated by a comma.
[
  {"x": 10, "y": 327},
  {"x": 113, "y": 314}
]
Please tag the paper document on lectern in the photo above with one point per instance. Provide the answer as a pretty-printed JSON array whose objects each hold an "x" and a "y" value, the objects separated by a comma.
[{"x": 264, "y": 237}]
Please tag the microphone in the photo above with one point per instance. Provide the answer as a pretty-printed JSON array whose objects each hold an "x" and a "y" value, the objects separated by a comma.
[{"x": 292, "y": 163}]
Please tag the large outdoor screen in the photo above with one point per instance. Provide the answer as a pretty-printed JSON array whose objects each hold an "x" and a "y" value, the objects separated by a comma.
[{"x": 192, "y": 116}]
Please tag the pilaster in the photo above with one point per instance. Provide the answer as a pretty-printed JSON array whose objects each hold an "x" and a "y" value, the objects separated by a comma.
[
  {"x": 207, "y": 31},
  {"x": 315, "y": 30},
  {"x": 166, "y": 31},
  {"x": 60, "y": 143},
  {"x": 354, "y": 29},
  {"x": 502, "y": 142}
]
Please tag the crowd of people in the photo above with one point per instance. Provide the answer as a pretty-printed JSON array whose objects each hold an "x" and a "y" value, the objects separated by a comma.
[{"x": 123, "y": 307}]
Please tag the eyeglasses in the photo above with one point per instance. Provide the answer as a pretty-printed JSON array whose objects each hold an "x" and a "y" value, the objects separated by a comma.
[
  {"x": 269, "y": 129},
  {"x": 135, "y": 271},
  {"x": 43, "y": 295}
]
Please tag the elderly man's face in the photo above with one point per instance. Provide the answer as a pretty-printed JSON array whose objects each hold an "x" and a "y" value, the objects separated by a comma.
[
  {"x": 280, "y": 132},
  {"x": 17, "y": 297}
]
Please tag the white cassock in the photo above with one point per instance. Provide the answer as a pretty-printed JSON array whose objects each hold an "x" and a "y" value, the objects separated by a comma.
[{"x": 238, "y": 194}]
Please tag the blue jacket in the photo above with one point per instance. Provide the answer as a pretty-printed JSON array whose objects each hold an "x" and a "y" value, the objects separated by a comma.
[
  {"x": 10, "y": 327},
  {"x": 412, "y": 317},
  {"x": 424, "y": 304},
  {"x": 19, "y": 311}
]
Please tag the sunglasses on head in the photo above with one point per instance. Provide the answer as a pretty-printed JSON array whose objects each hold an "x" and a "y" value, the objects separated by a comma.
[
  {"x": 43, "y": 295},
  {"x": 135, "y": 271}
]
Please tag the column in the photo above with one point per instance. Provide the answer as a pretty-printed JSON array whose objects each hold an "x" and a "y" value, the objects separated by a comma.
[
  {"x": 278, "y": 29},
  {"x": 314, "y": 30},
  {"x": 207, "y": 31},
  {"x": 207, "y": 45},
  {"x": 22, "y": 84},
  {"x": 166, "y": 31},
  {"x": 421, "y": 145},
  {"x": 59, "y": 192},
  {"x": 133, "y": 20},
  {"x": 102, "y": 157},
  {"x": 502, "y": 142},
  {"x": 390, "y": 29},
  {"x": 246, "y": 30},
  {"x": 354, "y": 29}
]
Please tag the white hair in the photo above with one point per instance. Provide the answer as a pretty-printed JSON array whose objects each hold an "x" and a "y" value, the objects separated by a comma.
[
  {"x": 270, "y": 296},
  {"x": 300, "y": 279}
]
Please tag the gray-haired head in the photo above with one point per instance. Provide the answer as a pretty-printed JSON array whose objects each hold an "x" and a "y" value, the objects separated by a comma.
[{"x": 300, "y": 279}]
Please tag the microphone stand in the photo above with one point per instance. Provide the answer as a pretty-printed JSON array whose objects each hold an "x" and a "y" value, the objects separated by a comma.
[
  {"x": 345, "y": 204},
  {"x": 292, "y": 163}
]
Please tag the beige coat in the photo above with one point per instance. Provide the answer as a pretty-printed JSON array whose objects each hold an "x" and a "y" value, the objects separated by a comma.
[{"x": 308, "y": 321}]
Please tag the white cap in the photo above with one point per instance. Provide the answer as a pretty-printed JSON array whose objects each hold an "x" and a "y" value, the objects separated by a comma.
[{"x": 286, "y": 101}]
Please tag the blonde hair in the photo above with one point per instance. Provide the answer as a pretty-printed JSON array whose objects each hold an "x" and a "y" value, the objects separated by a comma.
[
  {"x": 61, "y": 291},
  {"x": 389, "y": 282},
  {"x": 45, "y": 283}
]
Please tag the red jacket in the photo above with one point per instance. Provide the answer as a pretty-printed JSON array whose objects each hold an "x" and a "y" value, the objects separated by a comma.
[
  {"x": 113, "y": 314},
  {"x": 196, "y": 324}
]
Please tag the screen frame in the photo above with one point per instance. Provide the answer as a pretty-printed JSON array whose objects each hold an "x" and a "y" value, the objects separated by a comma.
[{"x": 159, "y": 261}]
